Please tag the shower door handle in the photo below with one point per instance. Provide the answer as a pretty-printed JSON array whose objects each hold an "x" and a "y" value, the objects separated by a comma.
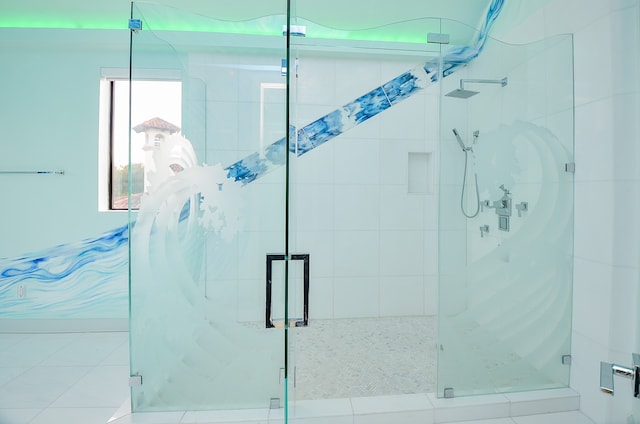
[
  {"x": 293, "y": 322},
  {"x": 607, "y": 371}
]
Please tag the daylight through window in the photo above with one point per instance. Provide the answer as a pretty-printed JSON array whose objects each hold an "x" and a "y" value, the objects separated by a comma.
[{"x": 156, "y": 114}]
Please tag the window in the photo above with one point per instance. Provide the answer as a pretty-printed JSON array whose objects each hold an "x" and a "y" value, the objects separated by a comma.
[{"x": 156, "y": 115}]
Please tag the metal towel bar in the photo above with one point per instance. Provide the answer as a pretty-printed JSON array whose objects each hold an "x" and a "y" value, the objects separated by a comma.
[{"x": 31, "y": 172}]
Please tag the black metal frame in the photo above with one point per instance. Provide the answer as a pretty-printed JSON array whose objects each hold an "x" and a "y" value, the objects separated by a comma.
[{"x": 295, "y": 257}]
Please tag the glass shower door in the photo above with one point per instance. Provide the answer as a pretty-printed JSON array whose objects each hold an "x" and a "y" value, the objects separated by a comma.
[
  {"x": 506, "y": 221},
  {"x": 211, "y": 214},
  {"x": 365, "y": 108}
]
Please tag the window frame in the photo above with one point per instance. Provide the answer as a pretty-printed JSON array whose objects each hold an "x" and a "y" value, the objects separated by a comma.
[{"x": 108, "y": 79}]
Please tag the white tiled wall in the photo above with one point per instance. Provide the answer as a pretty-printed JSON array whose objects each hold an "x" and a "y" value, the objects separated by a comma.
[
  {"x": 372, "y": 244},
  {"x": 606, "y": 279}
]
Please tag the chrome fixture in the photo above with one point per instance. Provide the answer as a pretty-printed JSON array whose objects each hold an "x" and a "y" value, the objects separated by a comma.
[
  {"x": 461, "y": 93},
  {"x": 484, "y": 229},
  {"x": 522, "y": 207},
  {"x": 502, "y": 207},
  {"x": 607, "y": 371},
  {"x": 437, "y": 38},
  {"x": 460, "y": 142},
  {"x": 61, "y": 172},
  {"x": 466, "y": 151},
  {"x": 135, "y": 380}
]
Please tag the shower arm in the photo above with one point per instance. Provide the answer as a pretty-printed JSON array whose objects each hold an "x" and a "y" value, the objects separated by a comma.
[{"x": 502, "y": 81}]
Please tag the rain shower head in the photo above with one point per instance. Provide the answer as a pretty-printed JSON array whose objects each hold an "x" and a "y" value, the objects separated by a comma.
[{"x": 461, "y": 93}]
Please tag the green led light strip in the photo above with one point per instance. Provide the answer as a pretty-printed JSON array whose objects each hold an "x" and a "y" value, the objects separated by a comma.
[
  {"x": 48, "y": 23},
  {"x": 404, "y": 32}
]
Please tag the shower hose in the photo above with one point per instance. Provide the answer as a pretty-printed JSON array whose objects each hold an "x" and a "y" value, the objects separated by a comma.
[{"x": 464, "y": 185}]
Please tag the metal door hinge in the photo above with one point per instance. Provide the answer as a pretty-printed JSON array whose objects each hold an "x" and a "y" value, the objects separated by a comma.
[
  {"x": 135, "y": 380},
  {"x": 437, "y": 38}
]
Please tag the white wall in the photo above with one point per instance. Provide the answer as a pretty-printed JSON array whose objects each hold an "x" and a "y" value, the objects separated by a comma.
[
  {"x": 49, "y": 108},
  {"x": 379, "y": 239},
  {"x": 607, "y": 237},
  {"x": 50, "y": 85},
  {"x": 373, "y": 244}
]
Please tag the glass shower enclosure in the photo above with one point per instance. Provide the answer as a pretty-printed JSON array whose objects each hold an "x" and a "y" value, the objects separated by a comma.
[
  {"x": 211, "y": 218},
  {"x": 301, "y": 234},
  {"x": 506, "y": 220}
]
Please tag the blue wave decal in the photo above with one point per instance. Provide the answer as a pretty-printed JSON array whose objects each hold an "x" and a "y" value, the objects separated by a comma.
[
  {"x": 85, "y": 279},
  {"x": 89, "y": 278}
]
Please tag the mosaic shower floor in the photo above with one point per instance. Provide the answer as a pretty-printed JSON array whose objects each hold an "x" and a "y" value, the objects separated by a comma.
[{"x": 365, "y": 357}]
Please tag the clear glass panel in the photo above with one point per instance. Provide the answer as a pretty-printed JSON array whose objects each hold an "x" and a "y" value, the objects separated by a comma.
[
  {"x": 213, "y": 209},
  {"x": 506, "y": 220},
  {"x": 363, "y": 199},
  {"x": 372, "y": 159},
  {"x": 635, "y": 408}
]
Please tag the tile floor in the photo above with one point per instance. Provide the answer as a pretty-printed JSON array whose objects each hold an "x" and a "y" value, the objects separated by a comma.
[{"x": 81, "y": 378}]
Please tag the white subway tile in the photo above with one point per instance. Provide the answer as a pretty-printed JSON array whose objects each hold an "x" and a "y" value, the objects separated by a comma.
[
  {"x": 592, "y": 290},
  {"x": 593, "y": 221},
  {"x": 401, "y": 253},
  {"x": 401, "y": 296},
  {"x": 356, "y": 207},
  {"x": 356, "y": 297}
]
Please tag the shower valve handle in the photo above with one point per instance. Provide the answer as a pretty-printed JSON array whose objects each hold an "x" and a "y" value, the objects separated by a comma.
[{"x": 522, "y": 207}]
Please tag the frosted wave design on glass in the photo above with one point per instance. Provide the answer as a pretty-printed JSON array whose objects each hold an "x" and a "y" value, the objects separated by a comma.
[
  {"x": 185, "y": 322},
  {"x": 81, "y": 279},
  {"x": 528, "y": 274},
  {"x": 76, "y": 280}
]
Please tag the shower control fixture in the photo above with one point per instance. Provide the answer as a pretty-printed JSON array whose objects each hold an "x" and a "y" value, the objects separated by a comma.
[
  {"x": 522, "y": 207},
  {"x": 484, "y": 229},
  {"x": 502, "y": 207},
  {"x": 462, "y": 93}
]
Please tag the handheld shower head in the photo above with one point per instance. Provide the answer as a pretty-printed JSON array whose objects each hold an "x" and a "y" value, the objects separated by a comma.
[
  {"x": 460, "y": 142},
  {"x": 466, "y": 151}
]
